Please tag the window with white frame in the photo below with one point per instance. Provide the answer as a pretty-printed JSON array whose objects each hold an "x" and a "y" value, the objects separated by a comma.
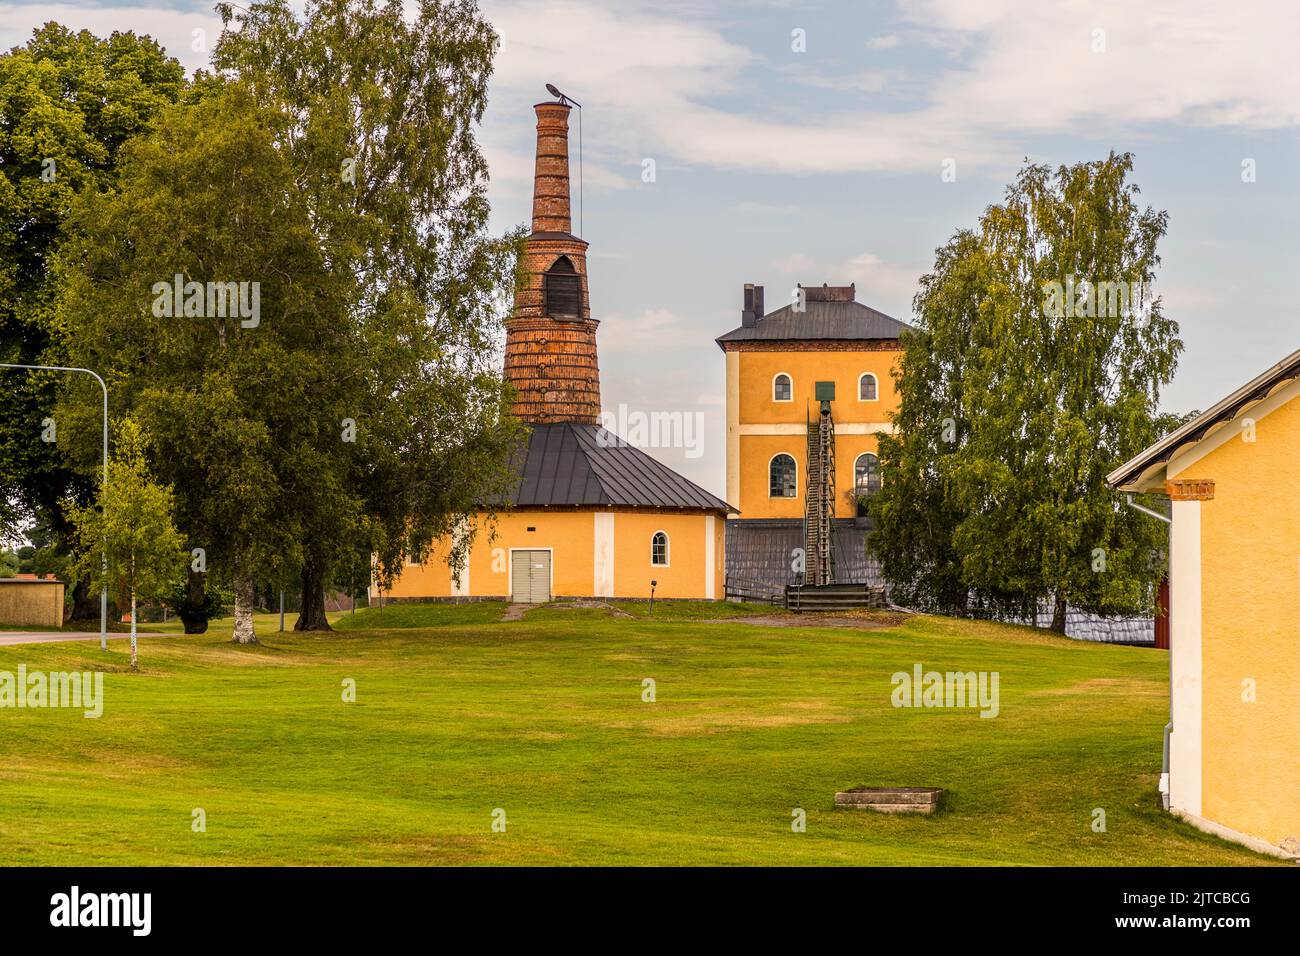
[
  {"x": 782, "y": 388},
  {"x": 867, "y": 388},
  {"x": 783, "y": 477},
  {"x": 866, "y": 480}
]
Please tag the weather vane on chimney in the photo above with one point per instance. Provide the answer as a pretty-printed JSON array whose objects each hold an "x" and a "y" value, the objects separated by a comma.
[{"x": 550, "y": 88}]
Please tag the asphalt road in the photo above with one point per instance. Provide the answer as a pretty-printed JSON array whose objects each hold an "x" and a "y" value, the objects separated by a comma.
[{"x": 51, "y": 637}]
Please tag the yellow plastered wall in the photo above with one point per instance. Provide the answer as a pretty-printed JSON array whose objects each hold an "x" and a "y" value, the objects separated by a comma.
[
  {"x": 760, "y": 427},
  {"x": 756, "y": 454},
  {"x": 687, "y": 570},
  {"x": 571, "y": 536},
  {"x": 806, "y": 368},
  {"x": 1250, "y": 592},
  {"x": 847, "y": 450}
]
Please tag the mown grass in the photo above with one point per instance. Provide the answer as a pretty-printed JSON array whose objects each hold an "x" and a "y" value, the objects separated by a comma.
[{"x": 458, "y": 714}]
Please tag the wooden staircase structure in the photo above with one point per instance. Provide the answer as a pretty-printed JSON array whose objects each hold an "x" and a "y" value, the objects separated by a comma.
[
  {"x": 834, "y": 597},
  {"x": 819, "y": 590},
  {"x": 819, "y": 500}
]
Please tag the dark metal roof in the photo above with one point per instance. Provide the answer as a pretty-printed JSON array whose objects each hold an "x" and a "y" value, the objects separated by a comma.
[
  {"x": 820, "y": 320},
  {"x": 761, "y": 550},
  {"x": 557, "y": 236},
  {"x": 570, "y": 464},
  {"x": 1135, "y": 474}
]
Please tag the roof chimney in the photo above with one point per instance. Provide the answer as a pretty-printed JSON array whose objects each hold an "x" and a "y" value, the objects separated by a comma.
[
  {"x": 752, "y": 309},
  {"x": 830, "y": 293}
]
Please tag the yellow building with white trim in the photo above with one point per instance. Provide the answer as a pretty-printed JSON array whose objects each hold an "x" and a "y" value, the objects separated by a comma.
[
  {"x": 535, "y": 554},
  {"x": 774, "y": 363},
  {"x": 1234, "y": 740},
  {"x": 591, "y": 516}
]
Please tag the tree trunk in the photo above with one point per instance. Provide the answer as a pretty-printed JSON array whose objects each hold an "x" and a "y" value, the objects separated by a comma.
[
  {"x": 85, "y": 605},
  {"x": 193, "y": 612},
  {"x": 312, "y": 615},
  {"x": 135, "y": 663},
  {"x": 244, "y": 609},
  {"x": 1058, "y": 614}
]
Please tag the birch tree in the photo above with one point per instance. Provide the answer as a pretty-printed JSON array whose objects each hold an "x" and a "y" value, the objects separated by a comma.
[
  {"x": 1036, "y": 368},
  {"x": 132, "y": 527}
]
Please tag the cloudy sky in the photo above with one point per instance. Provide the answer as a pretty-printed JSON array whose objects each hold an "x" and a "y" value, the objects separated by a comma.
[{"x": 779, "y": 165}]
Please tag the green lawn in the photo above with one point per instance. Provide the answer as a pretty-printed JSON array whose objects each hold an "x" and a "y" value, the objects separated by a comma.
[{"x": 458, "y": 714}]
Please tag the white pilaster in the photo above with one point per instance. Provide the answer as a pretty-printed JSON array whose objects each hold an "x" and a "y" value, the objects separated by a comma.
[
  {"x": 733, "y": 428},
  {"x": 710, "y": 557},
  {"x": 1185, "y": 650},
  {"x": 602, "y": 584}
]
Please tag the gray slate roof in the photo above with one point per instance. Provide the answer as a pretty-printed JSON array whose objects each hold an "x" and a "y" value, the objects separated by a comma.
[
  {"x": 568, "y": 464},
  {"x": 820, "y": 320}
]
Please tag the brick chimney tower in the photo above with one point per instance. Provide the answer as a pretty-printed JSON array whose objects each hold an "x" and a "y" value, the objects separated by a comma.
[{"x": 551, "y": 337}]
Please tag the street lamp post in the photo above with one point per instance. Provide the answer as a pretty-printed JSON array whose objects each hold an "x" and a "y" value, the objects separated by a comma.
[{"x": 103, "y": 593}]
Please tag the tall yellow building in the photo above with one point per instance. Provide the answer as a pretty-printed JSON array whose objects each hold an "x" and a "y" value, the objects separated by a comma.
[
  {"x": 591, "y": 515},
  {"x": 824, "y": 352},
  {"x": 1233, "y": 740}
]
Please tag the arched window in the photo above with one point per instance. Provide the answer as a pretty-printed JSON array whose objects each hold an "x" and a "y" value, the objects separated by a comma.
[
  {"x": 866, "y": 479},
  {"x": 659, "y": 549},
  {"x": 867, "y": 387},
  {"x": 783, "y": 477},
  {"x": 562, "y": 290},
  {"x": 782, "y": 388}
]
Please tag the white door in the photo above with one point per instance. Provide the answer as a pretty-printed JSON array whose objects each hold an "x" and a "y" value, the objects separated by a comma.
[{"x": 530, "y": 576}]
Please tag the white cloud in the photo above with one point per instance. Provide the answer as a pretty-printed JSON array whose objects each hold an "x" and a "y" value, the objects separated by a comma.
[
  {"x": 652, "y": 330},
  {"x": 797, "y": 263},
  {"x": 1014, "y": 67},
  {"x": 174, "y": 29},
  {"x": 876, "y": 277},
  {"x": 652, "y": 80},
  {"x": 876, "y": 280},
  {"x": 1177, "y": 297},
  {"x": 1192, "y": 62}
]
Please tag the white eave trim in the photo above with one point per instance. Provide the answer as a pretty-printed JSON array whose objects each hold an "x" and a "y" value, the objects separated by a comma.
[{"x": 1151, "y": 461}]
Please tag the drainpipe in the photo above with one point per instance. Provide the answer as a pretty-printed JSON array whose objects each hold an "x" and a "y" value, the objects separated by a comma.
[
  {"x": 1169, "y": 727},
  {"x": 1164, "y": 768}
]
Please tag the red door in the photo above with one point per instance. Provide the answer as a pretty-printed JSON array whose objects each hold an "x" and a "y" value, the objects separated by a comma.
[{"x": 1162, "y": 614}]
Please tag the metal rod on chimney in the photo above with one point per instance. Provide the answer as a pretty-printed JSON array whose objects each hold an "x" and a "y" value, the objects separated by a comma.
[{"x": 581, "y": 205}]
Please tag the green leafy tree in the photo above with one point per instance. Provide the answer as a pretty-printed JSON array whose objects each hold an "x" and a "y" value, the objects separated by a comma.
[
  {"x": 236, "y": 380},
  {"x": 1035, "y": 369},
  {"x": 132, "y": 528},
  {"x": 45, "y": 555},
  {"x": 380, "y": 112},
  {"x": 68, "y": 101}
]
